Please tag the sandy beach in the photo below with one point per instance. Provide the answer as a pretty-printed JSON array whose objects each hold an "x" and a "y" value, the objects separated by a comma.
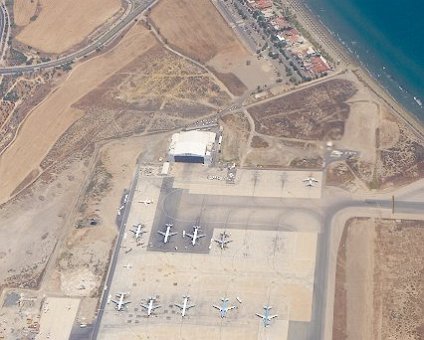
[{"x": 332, "y": 46}]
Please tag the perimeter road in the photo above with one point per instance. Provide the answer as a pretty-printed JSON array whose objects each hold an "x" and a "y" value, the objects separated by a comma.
[{"x": 115, "y": 254}]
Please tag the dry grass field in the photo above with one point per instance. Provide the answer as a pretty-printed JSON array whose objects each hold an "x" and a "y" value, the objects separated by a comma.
[
  {"x": 195, "y": 28},
  {"x": 23, "y": 11},
  {"x": 314, "y": 113},
  {"x": 63, "y": 24},
  {"x": 379, "y": 290},
  {"x": 50, "y": 119}
]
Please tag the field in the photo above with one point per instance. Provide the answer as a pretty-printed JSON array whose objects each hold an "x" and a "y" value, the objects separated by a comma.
[
  {"x": 197, "y": 29},
  {"x": 316, "y": 113},
  {"x": 23, "y": 11},
  {"x": 61, "y": 25},
  {"x": 55, "y": 114},
  {"x": 379, "y": 281}
]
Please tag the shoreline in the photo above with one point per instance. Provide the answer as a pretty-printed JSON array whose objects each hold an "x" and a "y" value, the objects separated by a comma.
[{"x": 332, "y": 45}]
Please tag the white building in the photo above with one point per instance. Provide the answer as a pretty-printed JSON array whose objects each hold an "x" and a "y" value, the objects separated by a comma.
[{"x": 192, "y": 147}]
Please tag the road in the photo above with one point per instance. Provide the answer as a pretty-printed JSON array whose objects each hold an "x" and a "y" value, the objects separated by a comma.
[
  {"x": 114, "y": 258},
  {"x": 100, "y": 42},
  {"x": 325, "y": 250},
  {"x": 4, "y": 29}
]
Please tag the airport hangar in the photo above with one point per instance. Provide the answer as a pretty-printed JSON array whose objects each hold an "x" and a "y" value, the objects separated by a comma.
[{"x": 192, "y": 147}]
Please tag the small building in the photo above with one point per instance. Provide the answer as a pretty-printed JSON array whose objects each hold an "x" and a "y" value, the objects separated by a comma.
[{"x": 192, "y": 147}]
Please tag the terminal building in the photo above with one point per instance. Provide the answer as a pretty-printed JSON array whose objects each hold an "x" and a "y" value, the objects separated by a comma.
[{"x": 192, "y": 147}]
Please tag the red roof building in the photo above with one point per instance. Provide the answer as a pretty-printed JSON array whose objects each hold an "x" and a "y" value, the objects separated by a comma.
[
  {"x": 319, "y": 65},
  {"x": 263, "y": 4}
]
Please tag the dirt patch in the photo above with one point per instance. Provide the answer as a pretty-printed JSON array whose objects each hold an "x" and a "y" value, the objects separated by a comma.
[
  {"x": 235, "y": 136},
  {"x": 234, "y": 85},
  {"x": 379, "y": 288},
  {"x": 339, "y": 174},
  {"x": 258, "y": 142},
  {"x": 63, "y": 24},
  {"x": 315, "y": 113}
]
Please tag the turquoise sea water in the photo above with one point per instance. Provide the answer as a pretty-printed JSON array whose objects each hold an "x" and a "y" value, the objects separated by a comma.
[{"x": 388, "y": 39}]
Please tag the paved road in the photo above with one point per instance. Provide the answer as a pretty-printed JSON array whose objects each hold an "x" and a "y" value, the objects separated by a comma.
[
  {"x": 101, "y": 41},
  {"x": 2, "y": 26},
  {"x": 114, "y": 259},
  {"x": 322, "y": 271}
]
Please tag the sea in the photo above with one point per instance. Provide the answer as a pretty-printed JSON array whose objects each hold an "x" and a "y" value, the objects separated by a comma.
[{"x": 387, "y": 38}]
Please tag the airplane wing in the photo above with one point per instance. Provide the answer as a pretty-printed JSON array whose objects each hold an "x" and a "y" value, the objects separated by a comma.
[
  {"x": 189, "y": 306},
  {"x": 260, "y": 315},
  {"x": 172, "y": 234},
  {"x": 272, "y": 316},
  {"x": 154, "y": 307},
  {"x": 144, "y": 306},
  {"x": 190, "y": 235},
  {"x": 231, "y": 307},
  {"x": 114, "y": 301},
  {"x": 217, "y": 307},
  {"x": 161, "y": 232},
  {"x": 179, "y": 306},
  {"x": 200, "y": 235}
]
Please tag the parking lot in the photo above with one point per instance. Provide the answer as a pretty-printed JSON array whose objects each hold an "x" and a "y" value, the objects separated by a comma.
[{"x": 270, "y": 260}]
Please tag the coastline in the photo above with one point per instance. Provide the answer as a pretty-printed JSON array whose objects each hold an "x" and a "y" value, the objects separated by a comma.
[{"x": 331, "y": 44}]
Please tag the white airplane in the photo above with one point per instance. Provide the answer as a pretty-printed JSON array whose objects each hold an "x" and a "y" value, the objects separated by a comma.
[
  {"x": 195, "y": 236},
  {"x": 185, "y": 306},
  {"x": 167, "y": 233},
  {"x": 310, "y": 181},
  {"x": 150, "y": 307},
  {"x": 138, "y": 231},
  {"x": 223, "y": 240},
  {"x": 224, "y": 308},
  {"x": 146, "y": 202},
  {"x": 266, "y": 317},
  {"x": 120, "y": 303}
]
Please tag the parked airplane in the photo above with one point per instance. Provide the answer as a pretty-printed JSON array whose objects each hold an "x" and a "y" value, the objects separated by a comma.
[
  {"x": 223, "y": 240},
  {"x": 150, "y": 307},
  {"x": 167, "y": 233},
  {"x": 138, "y": 231},
  {"x": 310, "y": 181},
  {"x": 146, "y": 202},
  {"x": 224, "y": 308},
  {"x": 185, "y": 306},
  {"x": 195, "y": 236},
  {"x": 120, "y": 303},
  {"x": 266, "y": 317}
]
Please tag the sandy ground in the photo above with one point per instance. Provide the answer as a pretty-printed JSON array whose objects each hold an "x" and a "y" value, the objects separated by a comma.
[
  {"x": 61, "y": 25},
  {"x": 23, "y": 10},
  {"x": 359, "y": 278},
  {"x": 55, "y": 114}
]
